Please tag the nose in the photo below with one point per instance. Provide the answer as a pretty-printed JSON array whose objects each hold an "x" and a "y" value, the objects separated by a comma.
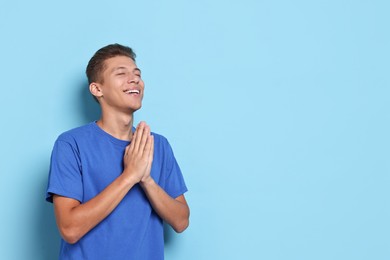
[{"x": 133, "y": 79}]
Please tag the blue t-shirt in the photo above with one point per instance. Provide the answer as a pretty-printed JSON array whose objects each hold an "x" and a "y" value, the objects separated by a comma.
[{"x": 84, "y": 161}]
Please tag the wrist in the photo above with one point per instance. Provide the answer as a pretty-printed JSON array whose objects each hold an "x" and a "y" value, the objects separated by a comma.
[
  {"x": 148, "y": 181},
  {"x": 128, "y": 180}
]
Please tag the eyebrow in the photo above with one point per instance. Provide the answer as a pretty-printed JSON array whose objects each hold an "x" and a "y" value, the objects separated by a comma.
[{"x": 121, "y": 67}]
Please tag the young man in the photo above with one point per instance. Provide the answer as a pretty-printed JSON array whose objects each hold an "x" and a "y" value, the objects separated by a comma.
[{"x": 113, "y": 185}]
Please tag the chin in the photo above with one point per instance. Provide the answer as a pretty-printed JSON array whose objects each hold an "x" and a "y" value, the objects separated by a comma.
[{"x": 135, "y": 108}]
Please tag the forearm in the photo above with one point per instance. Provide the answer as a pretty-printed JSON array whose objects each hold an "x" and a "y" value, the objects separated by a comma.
[
  {"x": 173, "y": 211},
  {"x": 75, "y": 220}
]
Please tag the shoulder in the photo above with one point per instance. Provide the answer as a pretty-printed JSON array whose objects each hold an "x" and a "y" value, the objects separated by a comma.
[
  {"x": 159, "y": 137},
  {"x": 78, "y": 133},
  {"x": 160, "y": 140},
  {"x": 162, "y": 146}
]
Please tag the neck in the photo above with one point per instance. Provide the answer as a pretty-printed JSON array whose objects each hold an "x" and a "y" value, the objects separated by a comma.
[{"x": 118, "y": 125}]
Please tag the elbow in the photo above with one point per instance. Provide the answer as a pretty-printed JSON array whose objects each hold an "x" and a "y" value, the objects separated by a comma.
[
  {"x": 70, "y": 235},
  {"x": 183, "y": 222},
  {"x": 70, "y": 239},
  {"x": 181, "y": 226}
]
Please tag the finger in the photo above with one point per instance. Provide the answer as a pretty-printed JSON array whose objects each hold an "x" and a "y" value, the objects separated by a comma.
[
  {"x": 151, "y": 152},
  {"x": 127, "y": 150},
  {"x": 138, "y": 136},
  {"x": 144, "y": 139},
  {"x": 126, "y": 155},
  {"x": 132, "y": 142},
  {"x": 148, "y": 147}
]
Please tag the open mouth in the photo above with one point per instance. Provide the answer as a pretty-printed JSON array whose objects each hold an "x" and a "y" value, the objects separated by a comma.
[{"x": 132, "y": 91}]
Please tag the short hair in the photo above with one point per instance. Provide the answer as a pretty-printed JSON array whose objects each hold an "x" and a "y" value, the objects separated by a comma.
[{"x": 96, "y": 64}]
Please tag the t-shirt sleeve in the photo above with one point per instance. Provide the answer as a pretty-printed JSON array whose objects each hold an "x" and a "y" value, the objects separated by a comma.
[
  {"x": 174, "y": 183},
  {"x": 65, "y": 178}
]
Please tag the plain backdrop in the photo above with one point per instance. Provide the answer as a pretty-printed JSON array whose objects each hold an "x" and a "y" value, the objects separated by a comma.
[{"x": 277, "y": 111}]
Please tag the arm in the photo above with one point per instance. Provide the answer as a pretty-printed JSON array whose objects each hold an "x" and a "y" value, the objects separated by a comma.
[
  {"x": 174, "y": 211},
  {"x": 74, "y": 219}
]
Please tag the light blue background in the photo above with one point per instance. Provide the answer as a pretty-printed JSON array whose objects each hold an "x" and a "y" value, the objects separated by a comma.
[{"x": 278, "y": 113}]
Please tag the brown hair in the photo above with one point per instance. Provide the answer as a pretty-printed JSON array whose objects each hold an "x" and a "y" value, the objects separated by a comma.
[{"x": 96, "y": 64}]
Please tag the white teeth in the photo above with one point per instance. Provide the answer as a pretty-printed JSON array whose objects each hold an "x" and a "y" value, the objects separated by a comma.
[{"x": 132, "y": 91}]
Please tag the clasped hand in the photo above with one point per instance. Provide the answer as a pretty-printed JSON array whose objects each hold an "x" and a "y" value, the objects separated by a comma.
[{"x": 138, "y": 155}]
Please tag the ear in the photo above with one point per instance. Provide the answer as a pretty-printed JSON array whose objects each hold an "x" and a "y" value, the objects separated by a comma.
[{"x": 95, "y": 89}]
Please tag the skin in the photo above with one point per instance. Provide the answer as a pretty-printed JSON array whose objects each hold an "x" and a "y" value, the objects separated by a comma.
[{"x": 75, "y": 219}]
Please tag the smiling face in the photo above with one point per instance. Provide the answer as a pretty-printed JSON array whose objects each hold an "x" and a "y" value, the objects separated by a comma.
[{"x": 121, "y": 87}]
